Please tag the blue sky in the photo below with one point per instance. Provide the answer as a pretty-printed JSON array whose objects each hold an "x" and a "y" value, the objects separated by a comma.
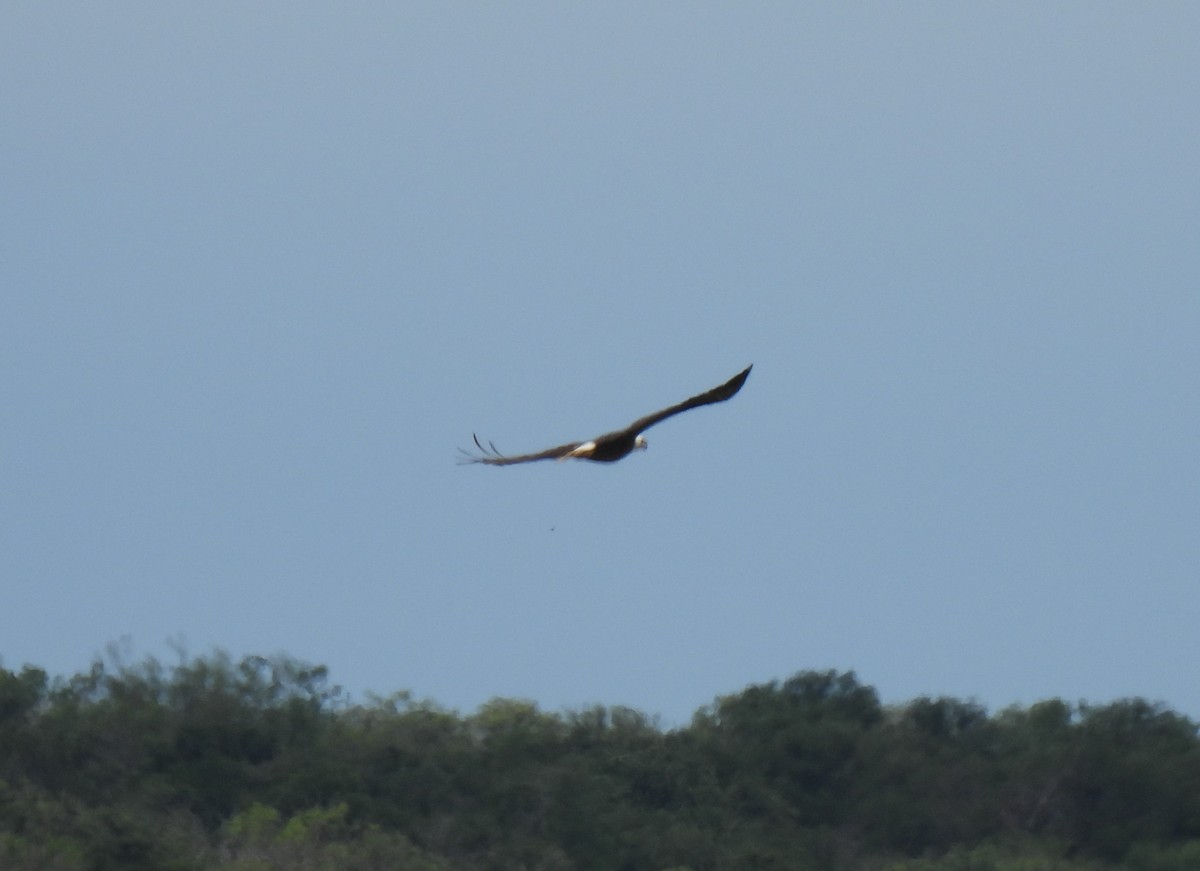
[{"x": 266, "y": 266}]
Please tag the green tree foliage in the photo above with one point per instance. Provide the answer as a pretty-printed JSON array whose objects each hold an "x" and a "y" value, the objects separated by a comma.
[{"x": 261, "y": 764}]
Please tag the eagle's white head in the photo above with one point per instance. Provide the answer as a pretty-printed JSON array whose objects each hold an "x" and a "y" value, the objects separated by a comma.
[{"x": 640, "y": 443}]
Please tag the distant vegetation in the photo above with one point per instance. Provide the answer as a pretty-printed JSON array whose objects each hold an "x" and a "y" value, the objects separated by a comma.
[{"x": 262, "y": 764}]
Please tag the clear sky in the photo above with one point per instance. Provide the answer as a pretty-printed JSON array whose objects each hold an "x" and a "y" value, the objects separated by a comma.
[{"x": 265, "y": 266}]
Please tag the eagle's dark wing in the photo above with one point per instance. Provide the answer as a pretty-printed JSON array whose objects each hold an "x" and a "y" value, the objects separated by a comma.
[
  {"x": 717, "y": 394},
  {"x": 492, "y": 457}
]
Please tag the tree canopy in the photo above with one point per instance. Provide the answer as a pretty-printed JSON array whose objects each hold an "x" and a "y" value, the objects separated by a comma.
[{"x": 262, "y": 764}]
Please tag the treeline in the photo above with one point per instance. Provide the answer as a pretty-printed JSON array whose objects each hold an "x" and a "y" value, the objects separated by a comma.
[{"x": 216, "y": 765}]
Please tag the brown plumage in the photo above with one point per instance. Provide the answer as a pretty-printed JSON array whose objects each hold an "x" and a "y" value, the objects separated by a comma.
[{"x": 610, "y": 447}]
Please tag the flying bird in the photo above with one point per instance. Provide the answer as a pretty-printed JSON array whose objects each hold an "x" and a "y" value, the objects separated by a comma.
[{"x": 613, "y": 446}]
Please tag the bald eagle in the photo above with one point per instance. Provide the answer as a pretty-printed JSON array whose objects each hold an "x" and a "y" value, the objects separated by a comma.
[{"x": 613, "y": 446}]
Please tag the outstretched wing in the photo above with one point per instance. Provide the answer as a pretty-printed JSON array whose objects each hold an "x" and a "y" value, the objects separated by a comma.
[
  {"x": 717, "y": 394},
  {"x": 492, "y": 457}
]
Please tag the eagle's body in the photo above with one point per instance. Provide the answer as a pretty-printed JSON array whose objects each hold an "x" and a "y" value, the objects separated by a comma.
[{"x": 616, "y": 445}]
